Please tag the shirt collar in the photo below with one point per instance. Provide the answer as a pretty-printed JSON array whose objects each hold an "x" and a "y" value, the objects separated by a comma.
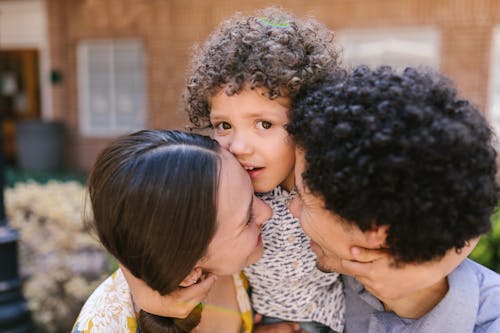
[{"x": 458, "y": 308}]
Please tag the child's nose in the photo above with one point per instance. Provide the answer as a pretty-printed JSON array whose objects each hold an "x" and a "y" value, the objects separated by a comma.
[{"x": 239, "y": 145}]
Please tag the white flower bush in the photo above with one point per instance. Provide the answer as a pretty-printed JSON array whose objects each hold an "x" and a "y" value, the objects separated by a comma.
[{"x": 61, "y": 263}]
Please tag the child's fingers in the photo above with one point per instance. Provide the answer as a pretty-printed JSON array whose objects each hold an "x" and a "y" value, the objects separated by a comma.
[
  {"x": 356, "y": 268},
  {"x": 368, "y": 255},
  {"x": 197, "y": 292},
  {"x": 365, "y": 262},
  {"x": 177, "y": 304},
  {"x": 182, "y": 301}
]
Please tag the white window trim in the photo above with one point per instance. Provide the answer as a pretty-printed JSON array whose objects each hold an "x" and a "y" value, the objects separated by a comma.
[
  {"x": 83, "y": 91},
  {"x": 372, "y": 35},
  {"x": 494, "y": 80}
]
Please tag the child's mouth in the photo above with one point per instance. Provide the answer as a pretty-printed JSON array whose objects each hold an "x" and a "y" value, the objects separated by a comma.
[{"x": 254, "y": 171}]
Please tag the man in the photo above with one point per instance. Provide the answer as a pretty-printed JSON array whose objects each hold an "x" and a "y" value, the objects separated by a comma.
[{"x": 397, "y": 161}]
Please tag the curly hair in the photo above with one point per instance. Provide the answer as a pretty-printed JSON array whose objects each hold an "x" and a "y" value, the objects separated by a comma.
[
  {"x": 398, "y": 149},
  {"x": 272, "y": 49}
]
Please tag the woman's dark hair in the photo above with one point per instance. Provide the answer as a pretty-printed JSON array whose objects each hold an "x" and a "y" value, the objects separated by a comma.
[
  {"x": 154, "y": 200},
  {"x": 399, "y": 149},
  {"x": 272, "y": 49}
]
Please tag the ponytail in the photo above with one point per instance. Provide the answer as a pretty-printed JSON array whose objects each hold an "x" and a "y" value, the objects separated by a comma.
[{"x": 150, "y": 323}]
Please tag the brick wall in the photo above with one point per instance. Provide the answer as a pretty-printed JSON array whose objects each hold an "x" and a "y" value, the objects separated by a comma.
[{"x": 170, "y": 28}]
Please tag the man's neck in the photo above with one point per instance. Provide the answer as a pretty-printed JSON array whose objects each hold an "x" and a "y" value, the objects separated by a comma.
[{"x": 419, "y": 303}]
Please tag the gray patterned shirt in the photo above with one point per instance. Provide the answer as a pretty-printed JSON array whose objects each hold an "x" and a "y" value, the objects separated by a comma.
[{"x": 285, "y": 282}]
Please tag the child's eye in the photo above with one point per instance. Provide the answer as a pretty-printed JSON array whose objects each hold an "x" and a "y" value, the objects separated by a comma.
[
  {"x": 264, "y": 124},
  {"x": 222, "y": 126}
]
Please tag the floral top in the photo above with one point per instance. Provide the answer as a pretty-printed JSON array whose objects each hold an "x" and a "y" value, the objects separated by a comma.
[{"x": 110, "y": 308}]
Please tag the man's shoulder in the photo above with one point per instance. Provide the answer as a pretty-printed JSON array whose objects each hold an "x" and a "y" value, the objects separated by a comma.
[
  {"x": 488, "y": 282},
  {"x": 485, "y": 276}
]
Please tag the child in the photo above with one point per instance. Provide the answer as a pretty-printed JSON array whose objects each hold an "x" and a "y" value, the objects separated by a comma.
[{"x": 242, "y": 83}]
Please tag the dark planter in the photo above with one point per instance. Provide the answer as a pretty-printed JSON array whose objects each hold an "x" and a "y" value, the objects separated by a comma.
[{"x": 39, "y": 145}]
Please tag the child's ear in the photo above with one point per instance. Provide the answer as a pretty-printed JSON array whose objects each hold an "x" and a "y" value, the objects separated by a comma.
[
  {"x": 377, "y": 235},
  {"x": 192, "y": 278}
]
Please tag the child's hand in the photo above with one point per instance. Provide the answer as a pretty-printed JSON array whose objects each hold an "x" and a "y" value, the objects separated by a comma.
[
  {"x": 286, "y": 327},
  {"x": 177, "y": 304},
  {"x": 374, "y": 269}
]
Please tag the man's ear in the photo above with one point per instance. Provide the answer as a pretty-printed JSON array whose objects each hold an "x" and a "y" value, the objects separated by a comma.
[
  {"x": 192, "y": 278},
  {"x": 377, "y": 235}
]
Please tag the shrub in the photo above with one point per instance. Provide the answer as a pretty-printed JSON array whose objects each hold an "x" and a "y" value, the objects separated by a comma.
[
  {"x": 487, "y": 251},
  {"x": 60, "y": 263}
]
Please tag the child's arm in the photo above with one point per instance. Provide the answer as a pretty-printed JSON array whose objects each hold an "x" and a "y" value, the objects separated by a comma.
[
  {"x": 374, "y": 269},
  {"x": 177, "y": 304}
]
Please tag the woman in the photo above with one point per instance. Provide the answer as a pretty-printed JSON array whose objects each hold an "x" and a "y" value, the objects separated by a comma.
[{"x": 172, "y": 208}]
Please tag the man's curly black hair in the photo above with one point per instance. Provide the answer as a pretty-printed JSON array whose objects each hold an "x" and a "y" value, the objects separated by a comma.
[
  {"x": 398, "y": 149},
  {"x": 272, "y": 49}
]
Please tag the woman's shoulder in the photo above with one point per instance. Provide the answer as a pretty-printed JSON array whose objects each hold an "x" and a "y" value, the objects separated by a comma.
[{"x": 109, "y": 308}]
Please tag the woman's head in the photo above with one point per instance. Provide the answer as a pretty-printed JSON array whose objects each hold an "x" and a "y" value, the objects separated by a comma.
[
  {"x": 167, "y": 205},
  {"x": 154, "y": 199},
  {"x": 272, "y": 49}
]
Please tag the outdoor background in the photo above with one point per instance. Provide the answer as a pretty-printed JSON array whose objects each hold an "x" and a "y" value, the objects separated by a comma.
[{"x": 74, "y": 74}]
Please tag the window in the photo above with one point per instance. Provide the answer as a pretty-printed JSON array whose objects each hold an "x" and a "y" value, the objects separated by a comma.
[
  {"x": 398, "y": 47},
  {"x": 494, "y": 93},
  {"x": 111, "y": 87}
]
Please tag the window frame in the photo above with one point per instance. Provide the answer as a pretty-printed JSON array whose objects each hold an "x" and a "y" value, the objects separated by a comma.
[
  {"x": 84, "y": 122},
  {"x": 413, "y": 34},
  {"x": 494, "y": 81}
]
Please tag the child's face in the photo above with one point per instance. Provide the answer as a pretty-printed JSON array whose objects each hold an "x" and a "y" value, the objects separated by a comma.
[{"x": 251, "y": 127}]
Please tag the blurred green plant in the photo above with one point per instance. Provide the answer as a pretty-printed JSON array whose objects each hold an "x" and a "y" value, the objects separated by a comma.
[{"x": 487, "y": 251}]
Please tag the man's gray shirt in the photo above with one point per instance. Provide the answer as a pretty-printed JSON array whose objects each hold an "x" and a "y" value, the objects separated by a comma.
[{"x": 472, "y": 304}]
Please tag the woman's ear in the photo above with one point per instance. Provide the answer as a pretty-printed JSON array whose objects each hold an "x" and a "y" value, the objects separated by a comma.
[{"x": 192, "y": 278}]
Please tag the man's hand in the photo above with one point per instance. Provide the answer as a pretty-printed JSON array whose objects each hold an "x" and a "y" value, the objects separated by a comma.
[
  {"x": 375, "y": 270},
  {"x": 177, "y": 304}
]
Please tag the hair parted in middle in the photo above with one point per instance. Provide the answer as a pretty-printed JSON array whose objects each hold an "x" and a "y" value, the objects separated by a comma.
[
  {"x": 400, "y": 149},
  {"x": 154, "y": 200},
  {"x": 272, "y": 49}
]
